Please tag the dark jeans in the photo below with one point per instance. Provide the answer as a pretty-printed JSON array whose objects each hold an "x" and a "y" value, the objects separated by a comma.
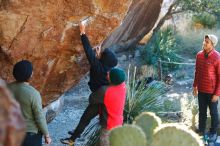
[
  {"x": 204, "y": 102},
  {"x": 90, "y": 112},
  {"x": 32, "y": 139}
]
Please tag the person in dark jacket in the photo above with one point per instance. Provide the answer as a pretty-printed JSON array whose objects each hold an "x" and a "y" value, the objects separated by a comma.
[
  {"x": 112, "y": 100},
  {"x": 101, "y": 63},
  {"x": 207, "y": 84}
]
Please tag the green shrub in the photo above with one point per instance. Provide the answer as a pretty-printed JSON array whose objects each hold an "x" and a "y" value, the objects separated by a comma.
[
  {"x": 162, "y": 46},
  {"x": 205, "y": 19}
]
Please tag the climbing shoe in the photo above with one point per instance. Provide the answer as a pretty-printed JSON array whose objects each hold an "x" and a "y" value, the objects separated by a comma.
[{"x": 68, "y": 141}]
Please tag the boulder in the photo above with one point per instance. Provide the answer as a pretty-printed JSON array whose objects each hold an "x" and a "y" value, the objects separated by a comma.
[{"x": 47, "y": 34}]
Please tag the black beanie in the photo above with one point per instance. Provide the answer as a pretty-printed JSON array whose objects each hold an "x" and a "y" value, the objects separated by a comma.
[
  {"x": 22, "y": 70},
  {"x": 108, "y": 58},
  {"x": 117, "y": 76}
]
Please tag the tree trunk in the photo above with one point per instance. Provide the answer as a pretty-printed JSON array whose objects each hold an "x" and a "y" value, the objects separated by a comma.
[{"x": 140, "y": 19}]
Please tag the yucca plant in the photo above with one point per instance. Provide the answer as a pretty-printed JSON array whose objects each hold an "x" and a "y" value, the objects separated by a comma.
[
  {"x": 92, "y": 133},
  {"x": 162, "y": 45},
  {"x": 140, "y": 97}
]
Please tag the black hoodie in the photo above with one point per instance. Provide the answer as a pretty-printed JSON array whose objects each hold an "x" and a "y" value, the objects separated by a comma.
[{"x": 98, "y": 67}]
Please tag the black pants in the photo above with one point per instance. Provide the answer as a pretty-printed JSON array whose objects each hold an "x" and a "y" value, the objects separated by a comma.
[
  {"x": 32, "y": 139},
  {"x": 204, "y": 102},
  {"x": 90, "y": 112}
]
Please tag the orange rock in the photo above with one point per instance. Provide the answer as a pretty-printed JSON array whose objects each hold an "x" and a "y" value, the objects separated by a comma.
[{"x": 46, "y": 33}]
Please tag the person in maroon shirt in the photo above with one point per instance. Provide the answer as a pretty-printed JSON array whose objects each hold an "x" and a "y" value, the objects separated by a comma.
[{"x": 207, "y": 84}]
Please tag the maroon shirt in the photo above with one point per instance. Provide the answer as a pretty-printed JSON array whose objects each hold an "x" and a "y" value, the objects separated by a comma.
[{"x": 207, "y": 72}]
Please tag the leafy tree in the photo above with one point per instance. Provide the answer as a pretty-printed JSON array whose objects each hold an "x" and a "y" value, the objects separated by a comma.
[
  {"x": 191, "y": 6},
  {"x": 163, "y": 44},
  {"x": 199, "y": 6},
  {"x": 206, "y": 19}
]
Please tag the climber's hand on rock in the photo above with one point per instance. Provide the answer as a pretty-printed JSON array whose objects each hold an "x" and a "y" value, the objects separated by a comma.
[{"x": 82, "y": 28}]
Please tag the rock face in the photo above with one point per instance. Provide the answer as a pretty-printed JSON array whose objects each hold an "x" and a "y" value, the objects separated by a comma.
[{"x": 46, "y": 33}]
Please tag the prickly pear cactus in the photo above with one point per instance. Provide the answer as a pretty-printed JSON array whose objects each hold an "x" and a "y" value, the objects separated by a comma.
[
  {"x": 127, "y": 135},
  {"x": 175, "y": 135},
  {"x": 194, "y": 110},
  {"x": 148, "y": 121},
  {"x": 194, "y": 113}
]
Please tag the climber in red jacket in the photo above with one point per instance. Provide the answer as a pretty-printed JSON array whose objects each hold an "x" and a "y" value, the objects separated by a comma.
[
  {"x": 207, "y": 84},
  {"x": 112, "y": 101}
]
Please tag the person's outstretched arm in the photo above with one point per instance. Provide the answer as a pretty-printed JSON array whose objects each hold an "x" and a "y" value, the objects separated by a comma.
[{"x": 90, "y": 54}]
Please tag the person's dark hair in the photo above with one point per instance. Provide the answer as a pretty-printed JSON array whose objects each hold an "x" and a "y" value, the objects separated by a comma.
[
  {"x": 22, "y": 71},
  {"x": 109, "y": 58},
  {"x": 117, "y": 76}
]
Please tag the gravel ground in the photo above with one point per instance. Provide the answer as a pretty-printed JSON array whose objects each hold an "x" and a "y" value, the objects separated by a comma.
[{"x": 75, "y": 102}]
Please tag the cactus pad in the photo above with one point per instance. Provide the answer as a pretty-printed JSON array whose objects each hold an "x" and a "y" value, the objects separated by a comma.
[
  {"x": 148, "y": 122},
  {"x": 175, "y": 135},
  {"x": 127, "y": 135}
]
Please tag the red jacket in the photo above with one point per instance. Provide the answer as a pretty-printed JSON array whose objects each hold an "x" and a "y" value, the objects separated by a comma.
[
  {"x": 207, "y": 72},
  {"x": 111, "y": 100}
]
